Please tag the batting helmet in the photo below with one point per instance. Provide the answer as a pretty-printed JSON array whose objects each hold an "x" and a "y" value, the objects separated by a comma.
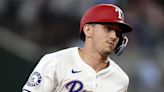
[{"x": 104, "y": 13}]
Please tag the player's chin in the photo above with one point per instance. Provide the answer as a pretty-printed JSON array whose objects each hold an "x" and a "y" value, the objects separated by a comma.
[{"x": 108, "y": 50}]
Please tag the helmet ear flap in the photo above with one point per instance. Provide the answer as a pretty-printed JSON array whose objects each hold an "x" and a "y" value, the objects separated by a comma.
[{"x": 121, "y": 45}]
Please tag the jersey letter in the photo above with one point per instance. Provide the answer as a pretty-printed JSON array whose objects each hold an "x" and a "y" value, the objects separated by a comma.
[
  {"x": 74, "y": 86},
  {"x": 120, "y": 15}
]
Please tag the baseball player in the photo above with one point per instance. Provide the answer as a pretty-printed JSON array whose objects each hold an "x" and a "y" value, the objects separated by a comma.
[{"x": 87, "y": 69}]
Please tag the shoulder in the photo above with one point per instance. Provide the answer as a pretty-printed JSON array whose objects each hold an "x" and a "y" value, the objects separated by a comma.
[
  {"x": 63, "y": 51},
  {"x": 60, "y": 55},
  {"x": 57, "y": 58},
  {"x": 119, "y": 70}
]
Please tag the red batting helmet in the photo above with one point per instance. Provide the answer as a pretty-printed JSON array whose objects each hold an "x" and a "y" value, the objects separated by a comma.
[{"x": 104, "y": 13}]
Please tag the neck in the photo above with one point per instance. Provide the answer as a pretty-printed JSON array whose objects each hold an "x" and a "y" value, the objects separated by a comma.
[
  {"x": 96, "y": 61},
  {"x": 97, "y": 58}
]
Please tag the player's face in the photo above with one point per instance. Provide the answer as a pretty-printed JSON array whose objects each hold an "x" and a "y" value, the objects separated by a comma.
[{"x": 104, "y": 38}]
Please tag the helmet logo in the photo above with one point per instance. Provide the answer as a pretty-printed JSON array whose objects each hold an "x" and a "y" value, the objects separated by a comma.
[{"x": 119, "y": 13}]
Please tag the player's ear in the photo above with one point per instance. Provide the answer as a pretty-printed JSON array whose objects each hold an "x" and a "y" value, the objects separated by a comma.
[{"x": 88, "y": 30}]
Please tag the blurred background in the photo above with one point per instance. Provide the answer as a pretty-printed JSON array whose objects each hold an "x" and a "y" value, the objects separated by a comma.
[{"x": 31, "y": 28}]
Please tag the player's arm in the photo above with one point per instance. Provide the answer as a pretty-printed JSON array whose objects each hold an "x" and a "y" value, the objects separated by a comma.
[{"x": 43, "y": 77}]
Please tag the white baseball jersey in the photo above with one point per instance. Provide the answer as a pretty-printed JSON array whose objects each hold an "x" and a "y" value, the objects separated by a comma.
[{"x": 65, "y": 71}]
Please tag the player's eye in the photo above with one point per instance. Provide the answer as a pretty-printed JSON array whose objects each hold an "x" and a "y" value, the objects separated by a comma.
[{"x": 116, "y": 28}]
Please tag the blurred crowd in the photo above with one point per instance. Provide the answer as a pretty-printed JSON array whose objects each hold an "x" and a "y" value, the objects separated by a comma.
[{"x": 54, "y": 24}]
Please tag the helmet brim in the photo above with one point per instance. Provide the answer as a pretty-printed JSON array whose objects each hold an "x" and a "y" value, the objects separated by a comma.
[{"x": 125, "y": 28}]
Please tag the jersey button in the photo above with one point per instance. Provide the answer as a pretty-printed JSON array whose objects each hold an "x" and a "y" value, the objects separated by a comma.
[{"x": 96, "y": 77}]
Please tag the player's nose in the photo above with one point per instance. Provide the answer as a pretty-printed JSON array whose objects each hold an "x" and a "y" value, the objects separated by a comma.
[{"x": 112, "y": 35}]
